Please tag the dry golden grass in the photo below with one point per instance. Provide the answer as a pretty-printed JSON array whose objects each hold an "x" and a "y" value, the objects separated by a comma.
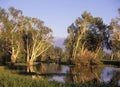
[
  {"x": 115, "y": 56},
  {"x": 85, "y": 57}
]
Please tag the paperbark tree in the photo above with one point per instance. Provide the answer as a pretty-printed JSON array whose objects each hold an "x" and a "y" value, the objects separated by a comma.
[
  {"x": 11, "y": 35},
  {"x": 116, "y": 37},
  {"x": 36, "y": 39},
  {"x": 39, "y": 46},
  {"x": 87, "y": 32},
  {"x": 24, "y": 34},
  {"x": 14, "y": 17}
]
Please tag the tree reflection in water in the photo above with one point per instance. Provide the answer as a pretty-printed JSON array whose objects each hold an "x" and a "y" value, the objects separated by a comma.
[
  {"x": 44, "y": 68},
  {"x": 76, "y": 74},
  {"x": 84, "y": 74},
  {"x": 110, "y": 75}
]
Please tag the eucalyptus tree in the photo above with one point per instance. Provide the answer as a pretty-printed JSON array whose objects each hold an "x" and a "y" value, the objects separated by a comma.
[
  {"x": 116, "y": 36},
  {"x": 24, "y": 35},
  {"x": 2, "y": 42},
  {"x": 87, "y": 32},
  {"x": 69, "y": 42},
  {"x": 36, "y": 39},
  {"x": 86, "y": 37},
  {"x": 15, "y": 35},
  {"x": 10, "y": 34}
]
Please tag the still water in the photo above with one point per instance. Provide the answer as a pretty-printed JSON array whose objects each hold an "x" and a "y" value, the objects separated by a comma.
[
  {"x": 65, "y": 73},
  {"x": 109, "y": 74}
]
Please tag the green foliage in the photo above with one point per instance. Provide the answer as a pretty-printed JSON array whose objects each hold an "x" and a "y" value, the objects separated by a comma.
[
  {"x": 53, "y": 52},
  {"x": 22, "y": 58},
  {"x": 8, "y": 79},
  {"x": 22, "y": 36},
  {"x": 115, "y": 26},
  {"x": 88, "y": 32}
]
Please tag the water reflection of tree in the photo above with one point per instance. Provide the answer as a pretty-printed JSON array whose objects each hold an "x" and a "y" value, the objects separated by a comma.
[
  {"x": 45, "y": 68},
  {"x": 36, "y": 69},
  {"x": 30, "y": 68},
  {"x": 53, "y": 68},
  {"x": 116, "y": 77},
  {"x": 84, "y": 74},
  {"x": 69, "y": 76}
]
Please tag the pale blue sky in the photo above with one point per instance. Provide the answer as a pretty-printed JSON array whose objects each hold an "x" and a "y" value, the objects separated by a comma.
[{"x": 59, "y": 14}]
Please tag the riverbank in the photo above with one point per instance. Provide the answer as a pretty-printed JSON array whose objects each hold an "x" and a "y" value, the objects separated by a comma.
[{"x": 10, "y": 78}]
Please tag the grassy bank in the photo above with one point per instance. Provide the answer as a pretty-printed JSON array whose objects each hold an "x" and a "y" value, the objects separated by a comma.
[{"x": 11, "y": 79}]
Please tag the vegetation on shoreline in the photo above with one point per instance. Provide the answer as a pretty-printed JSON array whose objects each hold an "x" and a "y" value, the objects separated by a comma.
[
  {"x": 7, "y": 79},
  {"x": 27, "y": 40}
]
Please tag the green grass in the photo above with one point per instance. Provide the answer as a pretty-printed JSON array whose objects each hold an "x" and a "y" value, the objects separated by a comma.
[{"x": 11, "y": 79}]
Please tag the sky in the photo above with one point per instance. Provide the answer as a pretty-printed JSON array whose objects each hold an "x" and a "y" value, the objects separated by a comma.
[{"x": 59, "y": 14}]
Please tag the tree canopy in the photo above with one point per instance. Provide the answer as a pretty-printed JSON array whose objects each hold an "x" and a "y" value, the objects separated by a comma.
[
  {"x": 87, "y": 31},
  {"x": 22, "y": 34}
]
